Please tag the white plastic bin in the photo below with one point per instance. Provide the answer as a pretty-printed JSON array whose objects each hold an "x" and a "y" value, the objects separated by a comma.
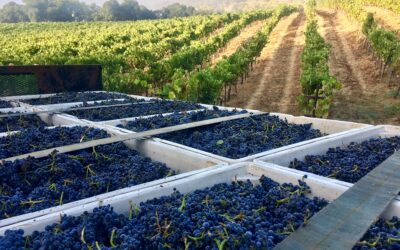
[
  {"x": 181, "y": 161},
  {"x": 333, "y": 128},
  {"x": 323, "y": 188},
  {"x": 285, "y": 157}
]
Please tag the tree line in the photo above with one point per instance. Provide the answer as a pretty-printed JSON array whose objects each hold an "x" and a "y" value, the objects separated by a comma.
[{"x": 74, "y": 10}]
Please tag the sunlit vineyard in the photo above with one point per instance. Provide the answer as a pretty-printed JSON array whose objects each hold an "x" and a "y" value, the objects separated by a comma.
[
  {"x": 124, "y": 49},
  {"x": 142, "y": 57},
  {"x": 247, "y": 59},
  {"x": 384, "y": 43}
]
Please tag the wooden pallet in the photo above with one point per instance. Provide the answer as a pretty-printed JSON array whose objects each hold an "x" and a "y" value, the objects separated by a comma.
[{"x": 342, "y": 223}]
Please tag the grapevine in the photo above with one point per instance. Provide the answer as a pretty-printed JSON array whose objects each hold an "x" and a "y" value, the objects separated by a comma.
[
  {"x": 206, "y": 85},
  {"x": 316, "y": 82},
  {"x": 122, "y": 48},
  {"x": 384, "y": 43}
]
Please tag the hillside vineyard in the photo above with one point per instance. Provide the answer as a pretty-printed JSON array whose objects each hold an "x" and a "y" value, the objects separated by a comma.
[{"x": 142, "y": 57}]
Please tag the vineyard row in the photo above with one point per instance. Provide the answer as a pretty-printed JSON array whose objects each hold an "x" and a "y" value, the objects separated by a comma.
[{"x": 384, "y": 43}]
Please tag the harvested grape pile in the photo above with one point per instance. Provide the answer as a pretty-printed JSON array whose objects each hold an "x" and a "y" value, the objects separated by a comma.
[
  {"x": 134, "y": 110},
  {"x": 243, "y": 137},
  {"x": 36, "y": 139},
  {"x": 225, "y": 216},
  {"x": 352, "y": 163},
  {"x": 20, "y": 122},
  {"x": 34, "y": 184},
  {"x": 75, "y": 97},
  {"x": 161, "y": 121},
  {"x": 382, "y": 235},
  {"x": 5, "y": 104}
]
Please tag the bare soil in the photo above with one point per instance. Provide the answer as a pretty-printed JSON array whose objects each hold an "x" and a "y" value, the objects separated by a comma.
[
  {"x": 387, "y": 18},
  {"x": 248, "y": 32},
  {"x": 364, "y": 97},
  {"x": 273, "y": 84}
]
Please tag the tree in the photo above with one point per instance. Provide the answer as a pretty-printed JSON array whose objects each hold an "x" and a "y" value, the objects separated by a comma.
[
  {"x": 146, "y": 13},
  {"x": 13, "y": 13},
  {"x": 36, "y": 9},
  {"x": 91, "y": 13},
  {"x": 75, "y": 10},
  {"x": 110, "y": 10},
  {"x": 177, "y": 10},
  {"x": 67, "y": 10}
]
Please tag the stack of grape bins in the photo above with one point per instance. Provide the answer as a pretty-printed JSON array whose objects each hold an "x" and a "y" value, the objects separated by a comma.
[{"x": 222, "y": 185}]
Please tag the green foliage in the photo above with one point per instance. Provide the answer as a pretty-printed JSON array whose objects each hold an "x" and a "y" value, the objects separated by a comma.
[
  {"x": 353, "y": 7},
  {"x": 369, "y": 24},
  {"x": 134, "y": 55},
  {"x": 316, "y": 82},
  {"x": 177, "y": 10},
  {"x": 75, "y": 10},
  {"x": 112, "y": 10},
  {"x": 385, "y": 43},
  {"x": 13, "y": 13},
  {"x": 192, "y": 57},
  {"x": 205, "y": 86},
  {"x": 165, "y": 57},
  {"x": 310, "y": 9},
  {"x": 178, "y": 88}
]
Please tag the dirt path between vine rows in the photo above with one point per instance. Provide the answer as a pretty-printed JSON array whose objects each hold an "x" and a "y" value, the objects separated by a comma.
[
  {"x": 363, "y": 97},
  {"x": 343, "y": 62},
  {"x": 273, "y": 85},
  {"x": 249, "y": 31},
  {"x": 387, "y": 18}
]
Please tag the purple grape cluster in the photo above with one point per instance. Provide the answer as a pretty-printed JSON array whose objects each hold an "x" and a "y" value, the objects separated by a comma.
[
  {"x": 36, "y": 139},
  {"x": 177, "y": 118},
  {"x": 5, "y": 104},
  {"x": 75, "y": 97},
  {"x": 384, "y": 234},
  {"x": 351, "y": 163},
  {"x": 225, "y": 216},
  {"x": 34, "y": 184},
  {"x": 15, "y": 123},
  {"x": 134, "y": 110},
  {"x": 243, "y": 137}
]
